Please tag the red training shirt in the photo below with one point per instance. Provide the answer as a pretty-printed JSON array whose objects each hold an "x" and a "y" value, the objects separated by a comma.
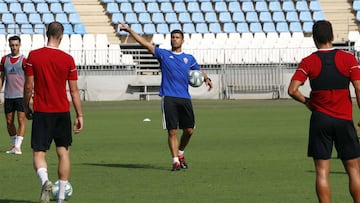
[
  {"x": 51, "y": 68},
  {"x": 337, "y": 102}
]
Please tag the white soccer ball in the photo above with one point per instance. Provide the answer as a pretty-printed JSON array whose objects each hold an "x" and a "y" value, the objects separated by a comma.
[
  {"x": 196, "y": 79},
  {"x": 68, "y": 190}
]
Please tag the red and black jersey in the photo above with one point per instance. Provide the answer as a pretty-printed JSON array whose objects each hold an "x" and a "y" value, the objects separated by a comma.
[{"x": 330, "y": 72}]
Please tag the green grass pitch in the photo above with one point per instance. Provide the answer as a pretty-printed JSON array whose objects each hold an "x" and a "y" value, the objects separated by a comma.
[{"x": 245, "y": 151}]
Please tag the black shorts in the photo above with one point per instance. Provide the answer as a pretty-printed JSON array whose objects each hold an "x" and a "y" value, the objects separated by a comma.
[
  {"x": 47, "y": 127},
  {"x": 12, "y": 105},
  {"x": 325, "y": 131},
  {"x": 177, "y": 113}
]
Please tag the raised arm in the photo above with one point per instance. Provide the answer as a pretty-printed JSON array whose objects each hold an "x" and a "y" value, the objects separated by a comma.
[{"x": 138, "y": 38}]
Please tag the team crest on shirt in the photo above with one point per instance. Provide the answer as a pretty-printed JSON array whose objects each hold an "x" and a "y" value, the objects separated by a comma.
[{"x": 186, "y": 60}]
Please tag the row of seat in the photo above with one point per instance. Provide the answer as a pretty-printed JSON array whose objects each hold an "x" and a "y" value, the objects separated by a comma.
[
  {"x": 42, "y": 7},
  {"x": 39, "y": 28},
  {"x": 220, "y": 6}
]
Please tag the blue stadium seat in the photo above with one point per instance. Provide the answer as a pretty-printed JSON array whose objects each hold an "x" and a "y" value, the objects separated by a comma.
[
  {"x": 238, "y": 17},
  {"x": 265, "y": 16},
  {"x": 158, "y": 18},
  {"x": 162, "y": 28},
  {"x": 189, "y": 28},
  {"x": 48, "y": 18},
  {"x": 74, "y": 18},
  {"x": 225, "y": 17},
  {"x": 179, "y": 7},
  {"x": 68, "y": 29},
  {"x": 61, "y": 18},
  {"x": 15, "y": 7},
  {"x": 114, "y": 8},
  {"x": 166, "y": 7},
  {"x": 282, "y": 27},
  {"x": 193, "y": 7},
  {"x": 13, "y": 29},
  {"x": 206, "y": 6},
  {"x": 149, "y": 29},
  {"x": 144, "y": 18},
  {"x": 275, "y": 6},
  {"x": 26, "y": 28},
  {"x": 255, "y": 27},
  {"x": 356, "y": 5},
  {"x": 269, "y": 27},
  {"x": 4, "y": 7},
  {"x": 201, "y": 28},
  {"x": 139, "y": 7},
  {"x": 39, "y": 29},
  {"x": 261, "y": 6},
  {"x": 117, "y": 17},
  {"x": 2, "y": 29},
  {"x": 42, "y": 8},
  {"x": 315, "y": 5},
  {"x": 107, "y": 1},
  {"x": 124, "y": 8},
  {"x": 279, "y": 16},
  {"x": 295, "y": 27},
  {"x": 211, "y": 17},
  {"x": 357, "y": 16},
  {"x": 248, "y": 6},
  {"x": 51, "y": 1},
  {"x": 318, "y": 15},
  {"x": 10, "y": 1},
  {"x": 234, "y": 6},
  {"x": 175, "y": 26},
  {"x": 197, "y": 17},
  {"x": 8, "y": 18},
  {"x": 171, "y": 18},
  {"x": 288, "y": 6},
  {"x": 38, "y": 1},
  {"x": 29, "y": 8},
  {"x": 215, "y": 28},
  {"x": 307, "y": 27},
  {"x": 305, "y": 16},
  {"x": 252, "y": 17},
  {"x": 292, "y": 16},
  {"x": 220, "y": 6},
  {"x": 131, "y": 18},
  {"x": 153, "y": 7},
  {"x": 34, "y": 18},
  {"x": 56, "y": 8},
  {"x": 301, "y": 6},
  {"x": 79, "y": 29},
  {"x": 242, "y": 28},
  {"x": 229, "y": 28},
  {"x": 24, "y": 1},
  {"x": 184, "y": 17},
  {"x": 21, "y": 18}
]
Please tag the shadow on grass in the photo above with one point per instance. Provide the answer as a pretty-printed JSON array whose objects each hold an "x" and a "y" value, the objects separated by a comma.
[
  {"x": 14, "y": 201},
  {"x": 331, "y": 172},
  {"x": 131, "y": 166}
]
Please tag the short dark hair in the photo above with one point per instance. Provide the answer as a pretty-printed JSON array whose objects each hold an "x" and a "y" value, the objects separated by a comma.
[
  {"x": 177, "y": 32},
  {"x": 322, "y": 32},
  {"x": 15, "y": 37},
  {"x": 55, "y": 29}
]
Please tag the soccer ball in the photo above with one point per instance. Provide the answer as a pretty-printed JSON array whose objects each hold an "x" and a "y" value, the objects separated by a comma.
[
  {"x": 196, "y": 79},
  {"x": 68, "y": 190}
]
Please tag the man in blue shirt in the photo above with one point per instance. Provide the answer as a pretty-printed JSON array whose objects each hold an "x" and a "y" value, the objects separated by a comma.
[{"x": 174, "y": 89}]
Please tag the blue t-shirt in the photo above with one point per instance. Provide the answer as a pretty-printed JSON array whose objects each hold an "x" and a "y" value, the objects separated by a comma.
[{"x": 175, "y": 69}]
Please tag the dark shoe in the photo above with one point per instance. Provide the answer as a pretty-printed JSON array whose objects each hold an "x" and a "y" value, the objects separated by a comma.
[
  {"x": 176, "y": 166},
  {"x": 183, "y": 164}
]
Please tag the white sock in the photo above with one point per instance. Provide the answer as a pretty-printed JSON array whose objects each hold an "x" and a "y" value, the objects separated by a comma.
[
  {"x": 175, "y": 159},
  {"x": 62, "y": 185},
  {"x": 13, "y": 139},
  {"x": 180, "y": 152},
  {"x": 43, "y": 175},
  {"x": 18, "y": 141}
]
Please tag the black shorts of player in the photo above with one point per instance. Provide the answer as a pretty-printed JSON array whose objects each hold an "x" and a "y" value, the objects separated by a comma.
[
  {"x": 325, "y": 131},
  {"x": 12, "y": 105},
  {"x": 47, "y": 127},
  {"x": 177, "y": 112}
]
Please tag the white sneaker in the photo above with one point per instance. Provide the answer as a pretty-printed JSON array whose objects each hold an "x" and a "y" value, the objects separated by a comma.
[
  {"x": 46, "y": 192},
  {"x": 14, "y": 150}
]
